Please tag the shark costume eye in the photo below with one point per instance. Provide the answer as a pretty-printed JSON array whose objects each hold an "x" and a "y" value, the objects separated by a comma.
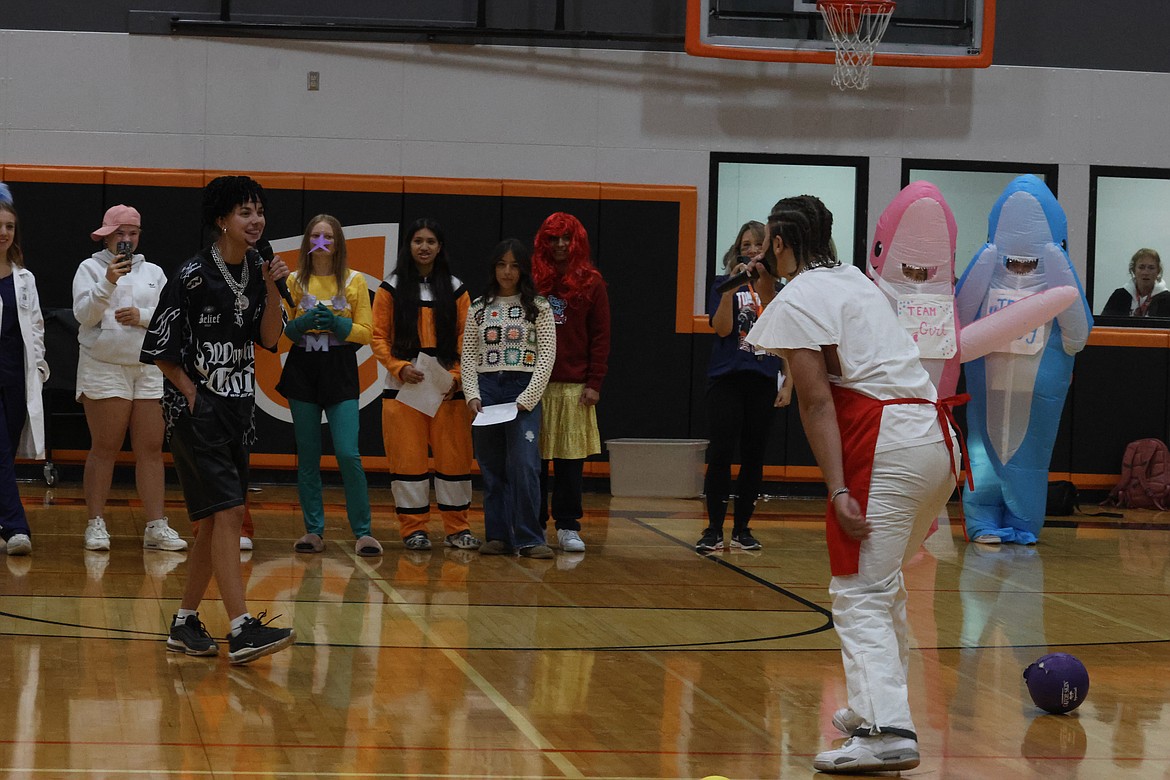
[{"x": 877, "y": 248}]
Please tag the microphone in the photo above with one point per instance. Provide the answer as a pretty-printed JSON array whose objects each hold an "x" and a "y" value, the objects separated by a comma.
[
  {"x": 266, "y": 254},
  {"x": 734, "y": 281}
]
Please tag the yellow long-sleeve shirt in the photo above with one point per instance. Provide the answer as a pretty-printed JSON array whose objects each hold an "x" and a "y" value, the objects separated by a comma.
[{"x": 354, "y": 304}]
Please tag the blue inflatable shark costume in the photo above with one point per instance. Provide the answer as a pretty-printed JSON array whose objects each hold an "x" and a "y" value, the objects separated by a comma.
[{"x": 1017, "y": 394}]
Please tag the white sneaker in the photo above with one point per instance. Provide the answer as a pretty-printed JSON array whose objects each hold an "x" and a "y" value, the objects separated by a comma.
[
  {"x": 160, "y": 536},
  {"x": 245, "y": 543},
  {"x": 19, "y": 544},
  {"x": 847, "y": 721},
  {"x": 570, "y": 541},
  {"x": 96, "y": 535},
  {"x": 879, "y": 753}
]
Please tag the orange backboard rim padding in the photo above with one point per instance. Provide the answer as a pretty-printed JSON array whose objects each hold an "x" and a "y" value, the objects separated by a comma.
[{"x": 696, "y": 47}]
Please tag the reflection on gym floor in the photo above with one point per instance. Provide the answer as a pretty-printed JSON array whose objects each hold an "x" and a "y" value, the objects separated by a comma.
[{"x": 635, "y": 659}]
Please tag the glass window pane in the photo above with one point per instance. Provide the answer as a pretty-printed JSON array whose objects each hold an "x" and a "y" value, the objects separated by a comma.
[
  {"x": 1131, "y": 215},
  {"x": 747, "y": 191}
]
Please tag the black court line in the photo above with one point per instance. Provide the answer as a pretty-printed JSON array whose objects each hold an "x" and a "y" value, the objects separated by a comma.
[{"x": 633, "y": 517}]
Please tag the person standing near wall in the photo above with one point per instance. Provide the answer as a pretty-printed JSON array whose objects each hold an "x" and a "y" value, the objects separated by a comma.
[
  {"x": 23, "y": 372},
  {"x": 563, "y": 270},
  {"x": 509, "y": 345},
  {"x": 742, "y": 392},
  {"x": 210, "y": 316},
  {"x": 883, "y": 444},
  {"x": 422, "y": 308},
  {"x": 331, "y": 319},
  {"x": 115, "y": 292}
]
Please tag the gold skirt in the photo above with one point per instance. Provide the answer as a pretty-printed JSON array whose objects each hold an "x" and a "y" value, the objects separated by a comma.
[{"x": 567, "y": 429}]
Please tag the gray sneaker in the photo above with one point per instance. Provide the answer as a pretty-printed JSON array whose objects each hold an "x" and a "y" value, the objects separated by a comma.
[
  {"x": 463, "y": 540},
  {"x": 417, "y": 541},
  {"x": 878, "y": 753},
  {"x": 19, "y": 544}
]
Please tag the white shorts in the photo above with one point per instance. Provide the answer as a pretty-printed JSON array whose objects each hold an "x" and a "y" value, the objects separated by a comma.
[{"x": 98, "y": 380}]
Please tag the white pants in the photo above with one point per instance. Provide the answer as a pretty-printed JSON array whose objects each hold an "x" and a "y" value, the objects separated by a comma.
[{"x": 907, "y": 489}]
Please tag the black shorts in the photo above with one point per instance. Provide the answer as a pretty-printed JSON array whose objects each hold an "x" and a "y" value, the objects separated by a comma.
[{"x": 209, "y": 454}]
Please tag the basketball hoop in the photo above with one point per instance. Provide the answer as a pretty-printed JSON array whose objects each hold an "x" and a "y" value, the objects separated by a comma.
[{"x": 856, "y": 26}]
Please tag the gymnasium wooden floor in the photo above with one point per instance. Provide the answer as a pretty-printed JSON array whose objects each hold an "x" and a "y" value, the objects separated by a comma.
[{"x": 637, "y": 659}]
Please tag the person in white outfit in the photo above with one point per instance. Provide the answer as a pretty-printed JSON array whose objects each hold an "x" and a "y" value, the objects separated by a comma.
[
  {"x": 115, "y": 293},
  {"x": 883, "y": 443},
  {"x": 23, "y": 372}
]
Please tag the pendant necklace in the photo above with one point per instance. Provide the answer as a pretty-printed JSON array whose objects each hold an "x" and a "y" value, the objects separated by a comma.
[{"x": 237, "y": 288}]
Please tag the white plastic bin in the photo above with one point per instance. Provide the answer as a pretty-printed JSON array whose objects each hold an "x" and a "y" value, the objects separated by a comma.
[{"x": 659, "y": 468}]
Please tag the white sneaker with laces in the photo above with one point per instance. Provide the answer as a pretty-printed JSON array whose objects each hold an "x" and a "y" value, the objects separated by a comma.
[
  {"x": 847, "y": 721},
  {"x": 160, "y": 536},
  {"x": 570, "y": 541},
  {"x": 19, "y": 544},
  {"x": 245, "y": 543},
  {"x": 96, "y": 535},
  {"x": 879, "y": 753}
]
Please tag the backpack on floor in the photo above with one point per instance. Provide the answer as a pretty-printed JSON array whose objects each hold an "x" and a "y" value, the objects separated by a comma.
[
  {"x": 1145, "y": 477},
  {"x": 1062, "y": 499}
]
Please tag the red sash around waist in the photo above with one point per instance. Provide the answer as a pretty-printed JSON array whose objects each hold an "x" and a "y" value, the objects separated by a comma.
[{"x": 859, "y": 419}]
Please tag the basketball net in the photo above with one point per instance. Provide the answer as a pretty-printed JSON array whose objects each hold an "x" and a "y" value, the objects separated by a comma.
[{"x": 856, "y": 26}]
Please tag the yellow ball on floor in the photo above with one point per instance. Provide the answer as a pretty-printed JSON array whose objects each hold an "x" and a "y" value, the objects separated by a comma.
[{"x": 714, "y": 777}]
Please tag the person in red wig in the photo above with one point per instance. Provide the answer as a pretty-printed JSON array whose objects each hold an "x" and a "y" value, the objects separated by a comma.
[{"x": 563, "y": 270}]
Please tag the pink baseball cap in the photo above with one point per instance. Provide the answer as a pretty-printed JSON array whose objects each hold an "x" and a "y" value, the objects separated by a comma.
[{"x": 115, "y": 217}]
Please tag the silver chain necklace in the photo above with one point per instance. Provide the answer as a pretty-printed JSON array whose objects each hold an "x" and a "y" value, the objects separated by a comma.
[{"x": 237, "y": 288}]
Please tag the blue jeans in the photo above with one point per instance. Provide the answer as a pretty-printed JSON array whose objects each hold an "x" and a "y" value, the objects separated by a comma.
[{"x": 509, "y": 460}]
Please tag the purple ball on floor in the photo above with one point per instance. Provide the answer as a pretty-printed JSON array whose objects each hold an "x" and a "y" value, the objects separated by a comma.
[{"x": 1057, "y": 682}]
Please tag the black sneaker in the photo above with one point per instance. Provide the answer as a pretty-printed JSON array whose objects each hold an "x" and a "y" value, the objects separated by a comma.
[
  {"x": 743, "y": 540},
  {"x": 257, "y": 639},
  {"x": 712, "y": 541},
  {"x": 417, "y": 541},
  {"x": 191, "y": 637}
]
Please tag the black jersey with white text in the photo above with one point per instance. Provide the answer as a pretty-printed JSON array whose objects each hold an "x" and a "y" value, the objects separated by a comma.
[{"x": 197, "y": 325}]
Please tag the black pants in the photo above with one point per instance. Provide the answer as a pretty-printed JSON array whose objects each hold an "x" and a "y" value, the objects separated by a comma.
[
  {"x": 739, "y": 408},
  {"x": 568, "y": 483}
]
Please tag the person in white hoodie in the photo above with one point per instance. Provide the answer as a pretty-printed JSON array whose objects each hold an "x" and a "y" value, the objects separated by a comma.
[
  {"x": 115, "y": 293},
  {"x": 23, "y": 372}
]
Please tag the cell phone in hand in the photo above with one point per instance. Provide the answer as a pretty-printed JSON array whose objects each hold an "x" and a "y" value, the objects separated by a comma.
[{"x": 125, "y": 249}]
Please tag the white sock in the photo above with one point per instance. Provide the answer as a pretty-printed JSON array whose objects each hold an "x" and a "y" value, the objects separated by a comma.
[
  {"x": 238, "y": 623},
  {"x": 154, "y": 523},
  {"x": 183, "y": 614}
]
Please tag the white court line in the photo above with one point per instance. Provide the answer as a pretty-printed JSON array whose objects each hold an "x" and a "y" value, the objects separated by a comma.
[{"x": 519, "y": 720}]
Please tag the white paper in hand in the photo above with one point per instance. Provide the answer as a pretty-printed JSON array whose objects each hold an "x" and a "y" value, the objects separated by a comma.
[
  {"x": 496, "y": 414},
  {"x": 427, "y": 395}
]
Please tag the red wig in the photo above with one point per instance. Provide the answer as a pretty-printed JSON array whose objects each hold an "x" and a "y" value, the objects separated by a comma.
[{"x": 580, "y": 274}]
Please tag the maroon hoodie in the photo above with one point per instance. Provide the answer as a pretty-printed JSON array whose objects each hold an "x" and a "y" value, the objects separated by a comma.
[{"x": 582, "y": 335}]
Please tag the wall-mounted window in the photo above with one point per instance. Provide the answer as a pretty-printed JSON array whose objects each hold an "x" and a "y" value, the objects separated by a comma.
[
  {"x": 745, "y": 187},
  {"x": 1127, "y": 214},
  {"x": 971, "y": 189}
]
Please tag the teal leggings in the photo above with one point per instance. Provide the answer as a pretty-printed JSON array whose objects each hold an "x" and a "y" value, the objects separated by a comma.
[{"x": 343, "y": 425}]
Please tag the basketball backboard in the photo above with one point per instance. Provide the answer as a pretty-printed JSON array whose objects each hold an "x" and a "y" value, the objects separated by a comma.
[{"x": 922, "y": 33}]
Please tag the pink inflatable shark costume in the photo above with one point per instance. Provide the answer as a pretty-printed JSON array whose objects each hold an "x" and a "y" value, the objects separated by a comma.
[{"x": 912, "y": 260}]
